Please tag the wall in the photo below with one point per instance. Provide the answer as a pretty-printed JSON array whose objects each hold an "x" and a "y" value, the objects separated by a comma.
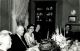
[
  {"x": 20, "y": 8},
  {"x": 19, "y": 12},
  {"x": 63, "y": 10},
  {"x": 69, "y": 5},
  {"x": 0, "y": 13},
  {"x": 5, "y": 16},
  {"x": 59, "y": 8},
  {"x": 10, "y": 10},
  {"x": 79, "y": 11}
]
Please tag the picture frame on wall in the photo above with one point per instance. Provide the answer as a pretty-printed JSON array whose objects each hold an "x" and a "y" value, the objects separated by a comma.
[{"x": 72, "y": 19}]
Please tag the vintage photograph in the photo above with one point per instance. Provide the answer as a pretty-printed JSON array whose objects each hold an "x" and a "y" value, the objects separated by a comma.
[{"x": 39, "y": 25}]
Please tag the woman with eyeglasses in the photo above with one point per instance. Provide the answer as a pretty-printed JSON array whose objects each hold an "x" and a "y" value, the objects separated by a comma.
[{"x": 29, "y": 36}]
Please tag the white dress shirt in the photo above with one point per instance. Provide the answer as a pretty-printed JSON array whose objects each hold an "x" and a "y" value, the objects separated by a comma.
[{"x": 29, "y": 39}]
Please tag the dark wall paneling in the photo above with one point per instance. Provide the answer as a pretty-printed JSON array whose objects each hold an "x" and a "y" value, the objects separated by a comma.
[{"x": 5, "y": 15}]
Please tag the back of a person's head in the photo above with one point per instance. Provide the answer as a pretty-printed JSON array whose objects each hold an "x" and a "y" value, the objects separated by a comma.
[{"x": 3, "y": 32}]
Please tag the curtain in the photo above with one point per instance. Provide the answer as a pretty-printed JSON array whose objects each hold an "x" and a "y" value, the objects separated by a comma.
[{"x": 19, "y": 13}]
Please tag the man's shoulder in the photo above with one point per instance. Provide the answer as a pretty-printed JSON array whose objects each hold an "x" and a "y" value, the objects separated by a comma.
[{"x": 13, "y": 36}]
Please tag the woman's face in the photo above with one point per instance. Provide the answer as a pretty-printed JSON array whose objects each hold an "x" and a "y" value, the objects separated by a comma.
[{"x": 31, "y": 29}]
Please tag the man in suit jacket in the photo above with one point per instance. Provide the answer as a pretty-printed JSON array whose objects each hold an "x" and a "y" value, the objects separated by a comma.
[
  {"x": 17, "y": 42},
  {"x": 68, "y": 33}
]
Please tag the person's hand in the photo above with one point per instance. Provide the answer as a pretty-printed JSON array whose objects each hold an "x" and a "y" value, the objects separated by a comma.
[
  {"x": 35, "y": 42},
  {"x": 37, "y": 28}
]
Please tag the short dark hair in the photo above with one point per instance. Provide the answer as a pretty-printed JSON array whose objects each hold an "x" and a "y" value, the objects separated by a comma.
[
  {"x": 30, "y": 26},
  {"x": 70, "y": 27}
]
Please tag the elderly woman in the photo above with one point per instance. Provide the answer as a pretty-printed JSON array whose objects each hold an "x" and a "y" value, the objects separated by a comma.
[
  {"x": 5, "y": 40},
  {"x": 29, "y": 36}
]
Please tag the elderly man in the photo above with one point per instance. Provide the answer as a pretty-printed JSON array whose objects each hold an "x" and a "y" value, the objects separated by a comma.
[
  {"x": 5, "y": 40},
  {"x": 17, "y": 42}
]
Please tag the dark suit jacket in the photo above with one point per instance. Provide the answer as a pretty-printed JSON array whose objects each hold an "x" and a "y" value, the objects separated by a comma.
[
  {"x": 37, "y": 36},
  {"x": 17, "y": 44},
  {"x": 68, "y": 35}
]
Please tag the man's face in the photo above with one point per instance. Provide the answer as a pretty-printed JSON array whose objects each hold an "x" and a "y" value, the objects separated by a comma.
[
  {"x": 67, "y": 27},
  {"x": 20, "y": 30}
]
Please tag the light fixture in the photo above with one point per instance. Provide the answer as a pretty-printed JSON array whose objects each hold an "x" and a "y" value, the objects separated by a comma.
[{"x": 73, "y": 12}]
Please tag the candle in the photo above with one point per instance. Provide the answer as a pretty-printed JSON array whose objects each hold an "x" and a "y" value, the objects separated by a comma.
[
  {"x": 48, "y": 34},
  {"x": 64, "y": 32},
  {"x": 60, "y": 30}
]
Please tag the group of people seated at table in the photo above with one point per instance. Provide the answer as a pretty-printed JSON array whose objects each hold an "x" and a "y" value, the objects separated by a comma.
[{"x": 21, "y": 41}]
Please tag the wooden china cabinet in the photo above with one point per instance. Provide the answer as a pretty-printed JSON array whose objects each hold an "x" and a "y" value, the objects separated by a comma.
[{"x": 43, "y": 12}]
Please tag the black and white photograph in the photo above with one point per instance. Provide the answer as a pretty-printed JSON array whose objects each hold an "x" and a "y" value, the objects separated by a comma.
[{"x": 39, "y": 25}]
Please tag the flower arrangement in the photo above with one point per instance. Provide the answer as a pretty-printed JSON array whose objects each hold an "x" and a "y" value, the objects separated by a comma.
[
  {"x": 64, "y": 43},
  {"x": 58, "y": 42}
]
